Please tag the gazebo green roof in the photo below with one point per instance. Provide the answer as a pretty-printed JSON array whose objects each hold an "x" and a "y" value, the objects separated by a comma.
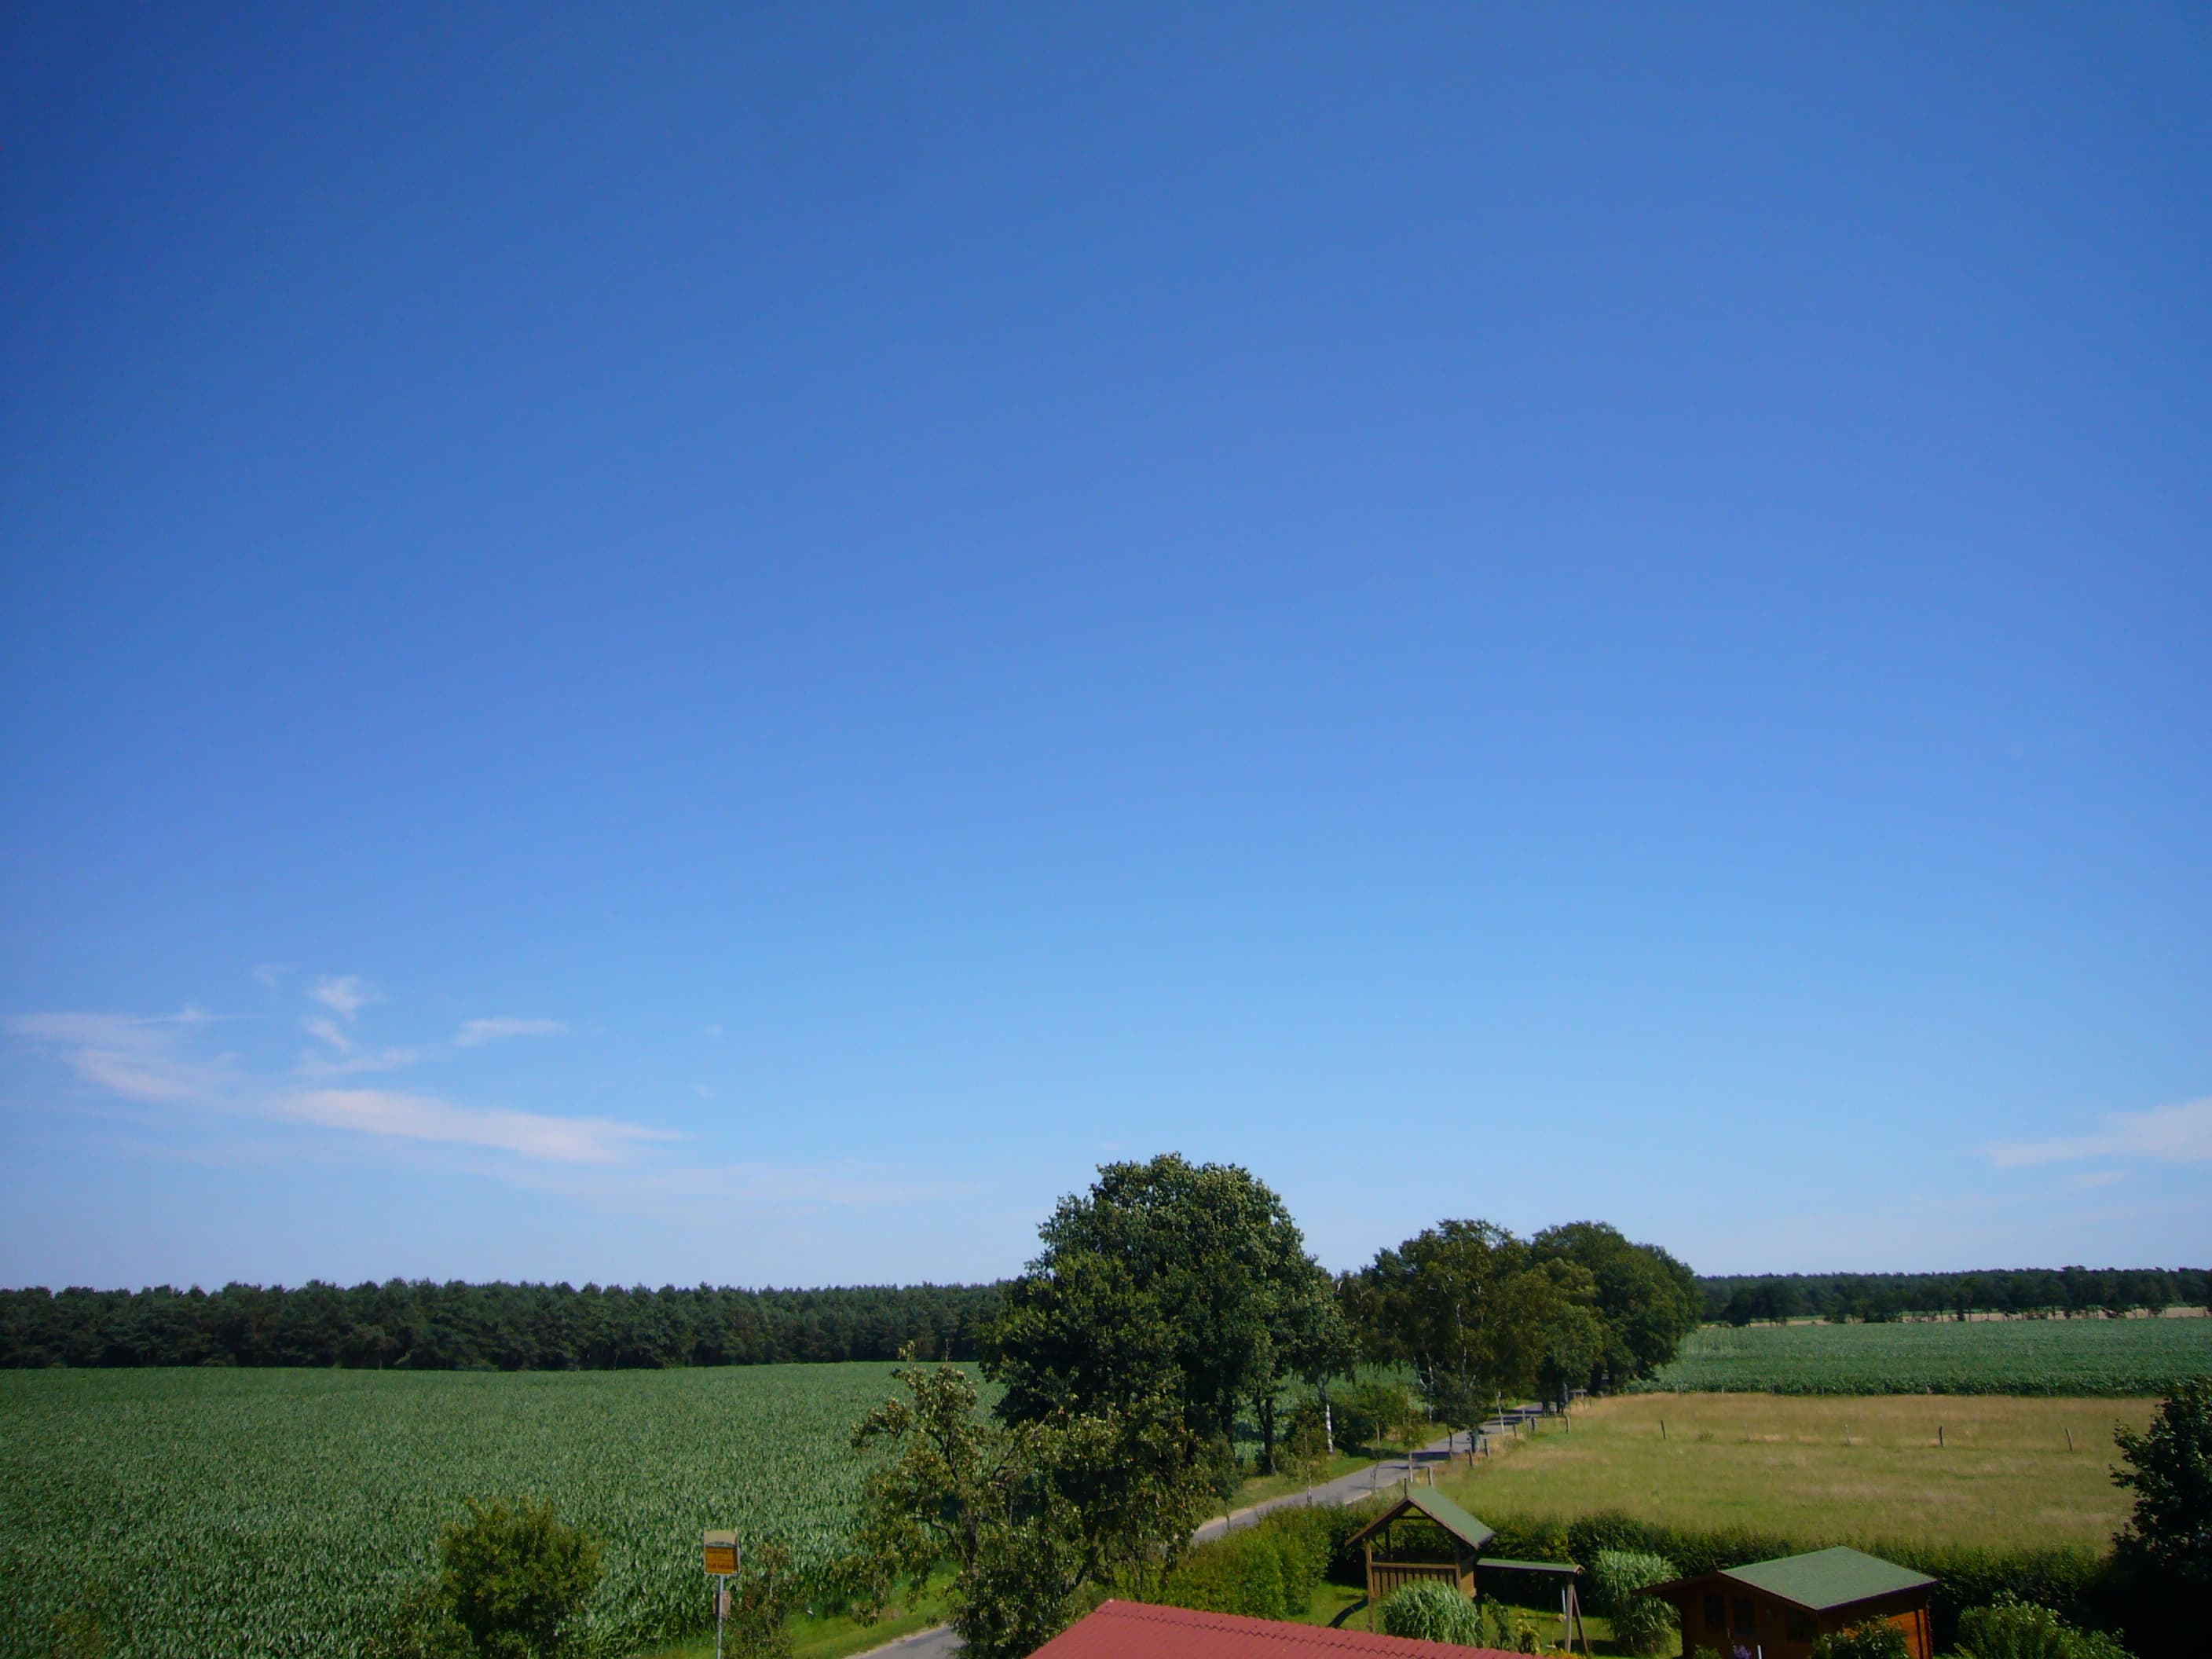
[
  {"x": 1437, "y": 1508},
  {"x": 1820, "y": 1581}
]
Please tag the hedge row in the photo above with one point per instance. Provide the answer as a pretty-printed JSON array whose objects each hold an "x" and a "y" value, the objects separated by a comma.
[{"x": 1269, "y": 1570}]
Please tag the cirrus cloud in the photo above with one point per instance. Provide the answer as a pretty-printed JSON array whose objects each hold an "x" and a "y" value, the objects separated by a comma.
[
  {"x": 346, "y": 995},
  {"x": 426, "y": 1117},
  {"x": 141, "y": 1057},
  {"x": 475, "y": 1033},
  {"x": 2166, "y": 1134}
]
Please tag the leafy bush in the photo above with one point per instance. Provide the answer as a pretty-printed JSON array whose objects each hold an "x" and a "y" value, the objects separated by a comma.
[
  {"x": 1268, "y": 1570},
  {"x": 422, "y": 1626},
  {"x": 1640, "y": 1624},
  {"x": 1511, "y": 1629},
  {"x": 1370, "y": 1412},
  {"x": 1432, "y": 1613},
  {"x": 2010, "y": 1628},
  {"x": 514, "y": 1577},
  {"x": 1876, "y": 1639},
  {"x": 759, "y": 1600},
  {"x": 1305, "y": 1442}
]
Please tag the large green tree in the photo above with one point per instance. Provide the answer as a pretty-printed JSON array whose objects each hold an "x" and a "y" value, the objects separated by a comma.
[
  {"x": 1477, "y": 1312},
  {"x": 1168, "y": 1279},
  {"x": 1648, "y": 1300},
  {"x": 1467, "y": 1307},
  {"x": 1036, "y": 1518}
]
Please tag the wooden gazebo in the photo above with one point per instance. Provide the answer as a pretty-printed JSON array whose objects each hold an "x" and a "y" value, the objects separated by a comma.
[{"x": 1388, "y": 1570}]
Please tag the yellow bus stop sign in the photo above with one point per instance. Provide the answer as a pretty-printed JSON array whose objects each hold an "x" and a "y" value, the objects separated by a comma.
[{"x": 721, "y": 1550}]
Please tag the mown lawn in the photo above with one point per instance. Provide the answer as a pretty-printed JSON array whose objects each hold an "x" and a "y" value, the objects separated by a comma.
[{"x": 1832, "y": 1467}]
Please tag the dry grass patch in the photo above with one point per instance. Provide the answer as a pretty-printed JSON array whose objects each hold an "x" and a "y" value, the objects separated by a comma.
[{"x": 1829, "y": 1467}]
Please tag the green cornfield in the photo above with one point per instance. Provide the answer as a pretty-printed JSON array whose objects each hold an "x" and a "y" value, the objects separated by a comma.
[
  {"x": 252, "y": 1513},
  {"x": 2119, "y": 1357}
]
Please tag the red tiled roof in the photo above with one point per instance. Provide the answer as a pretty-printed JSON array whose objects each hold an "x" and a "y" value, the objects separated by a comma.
[{"x": 1123, "y": 1630}]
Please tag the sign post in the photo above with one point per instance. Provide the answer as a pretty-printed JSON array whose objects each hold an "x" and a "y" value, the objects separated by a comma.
[{"x": 720, "y": 1553}]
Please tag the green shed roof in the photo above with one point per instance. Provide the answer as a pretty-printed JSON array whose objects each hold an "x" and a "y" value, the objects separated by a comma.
[
  {"x": 1439, "y": 1509},
  {"x": 1828, "y": 1578}
]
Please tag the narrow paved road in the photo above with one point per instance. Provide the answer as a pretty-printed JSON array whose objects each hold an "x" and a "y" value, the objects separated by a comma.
[
  {"x": 941, "y": 1643},
  {"x": 1345, "y": 1489}
]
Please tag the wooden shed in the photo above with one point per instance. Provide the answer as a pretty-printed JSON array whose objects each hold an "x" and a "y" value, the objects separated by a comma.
[
  {"x": 1397, "y": 1565},
  {"x": 1778, "y": 1609}
]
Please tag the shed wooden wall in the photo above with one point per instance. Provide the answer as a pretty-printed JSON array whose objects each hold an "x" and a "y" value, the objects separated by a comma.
[{"x": 1773, "y": 1635}]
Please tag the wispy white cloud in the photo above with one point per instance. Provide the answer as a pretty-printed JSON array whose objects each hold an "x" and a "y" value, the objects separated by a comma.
[
  {"x": 139, "y": 1057},
  {"x": 707, "y": 1194},
  {"x": 135, "y": 1078},
  {"x": 475, "y": 1033},
  {"x": 322, "y": 1026},
  {"x": 425, "y": 1117},
  {"x": 139, "y": 1031},
  {"x": 608, "y": 1164},
  {"x": 348, "y": 1064},
  {"x": 345, "y": 996},
  {"x": 271, "y": 974},
  {"x": 2167, "y": 1135}
]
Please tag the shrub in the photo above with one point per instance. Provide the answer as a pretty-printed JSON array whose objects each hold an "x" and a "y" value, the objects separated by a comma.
[
  {"x": 1876, "y": 1639},
  {"x": 1268, "y": 1570},
  {"x": 2010, "y": 1628},
  {"x": 1369, "y": 1413},
  {"x": 1346, "y": 1566},
  {"x": 1305, "y": 1442},
  {"x": 422, "y": 1626},
  {"x": 1515, "y": 1628},
  {"x": 514, "y": 1578},
  {"x": 1432, "y": 1613},
  {"x": 759, "y": 1599},
  {"x": 1640, "y": 1624}
]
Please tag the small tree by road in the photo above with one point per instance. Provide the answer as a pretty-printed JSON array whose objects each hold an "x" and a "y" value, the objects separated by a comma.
[{"x": 1038, "y": 1519}]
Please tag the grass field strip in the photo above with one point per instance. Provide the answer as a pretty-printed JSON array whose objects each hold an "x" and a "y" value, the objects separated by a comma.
[{"x": 1977, "y": 1468}]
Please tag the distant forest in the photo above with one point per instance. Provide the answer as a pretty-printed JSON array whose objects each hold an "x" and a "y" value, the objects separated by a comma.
[
  {"x": 1740, "y": 1298},
  {"x": 420, "y": 1326}
]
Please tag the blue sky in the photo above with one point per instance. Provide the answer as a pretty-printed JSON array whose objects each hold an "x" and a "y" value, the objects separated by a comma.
[{"x": 727, "y": 645}]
